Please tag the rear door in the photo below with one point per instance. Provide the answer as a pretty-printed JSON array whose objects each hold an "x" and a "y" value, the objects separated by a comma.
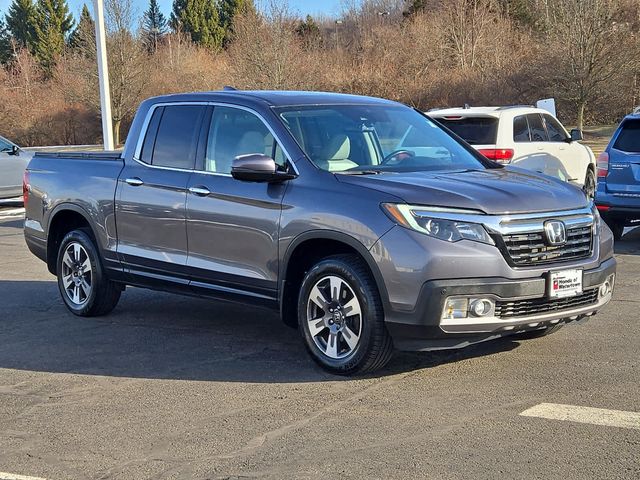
[
  {"x": 624, "y": 159},
  {"x": 233, "y": 225},
  {"x": 535, "y": 151},
  {"x": 151, "y": 196}
]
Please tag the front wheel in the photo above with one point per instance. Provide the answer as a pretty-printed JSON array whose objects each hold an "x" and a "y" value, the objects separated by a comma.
[
  {"x": 85, "y": 289},
  {"x": 341, "y": 318},
  {"x": 590, "y": 185}
]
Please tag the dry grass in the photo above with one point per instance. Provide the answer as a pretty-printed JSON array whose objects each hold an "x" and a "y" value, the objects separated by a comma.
[{"x": 598, "y": 137}]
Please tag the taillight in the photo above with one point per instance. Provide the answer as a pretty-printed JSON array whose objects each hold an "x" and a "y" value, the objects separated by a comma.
[
  {"x": 25, "y": 188},
  {"x": 502, "y": 155},
  {"x": 603, "y": 164}
]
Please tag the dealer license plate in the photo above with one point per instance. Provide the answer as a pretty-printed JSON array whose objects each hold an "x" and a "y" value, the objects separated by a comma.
[{"x": 565, "y": 283}]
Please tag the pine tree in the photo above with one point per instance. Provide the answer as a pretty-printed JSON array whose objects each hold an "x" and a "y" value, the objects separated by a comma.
[
  {"x": 21, "y": 20},
  {"x": 200, "y": 20},
  {"x": 415, "y": 6},
  {"x": 84, "y": 35},
  {"x": 6, "y": 52},
  {"x": 53, "y": 24},
  {"x": 229, "y": 10},
  {"x": 154, "y": 26},
  {"x": 309, "y": 31}
]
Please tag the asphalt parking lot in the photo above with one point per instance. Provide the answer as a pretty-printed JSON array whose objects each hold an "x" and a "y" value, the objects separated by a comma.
[{"x": 168, "y": 387}]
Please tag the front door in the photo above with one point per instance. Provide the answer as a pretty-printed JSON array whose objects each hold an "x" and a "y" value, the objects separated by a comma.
[
  {"x": 11, "y": 170},
  {"x": 151, "y": 197},
  {"x": 233, "y": 226}
]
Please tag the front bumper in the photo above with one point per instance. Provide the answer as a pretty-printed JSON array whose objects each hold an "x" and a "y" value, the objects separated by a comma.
[{"x": 423, "y": 328}]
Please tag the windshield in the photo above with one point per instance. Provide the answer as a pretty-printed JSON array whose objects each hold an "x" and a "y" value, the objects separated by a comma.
[
  {"x": 5, "y": 145},
  {"x": 374, "y": 138}
]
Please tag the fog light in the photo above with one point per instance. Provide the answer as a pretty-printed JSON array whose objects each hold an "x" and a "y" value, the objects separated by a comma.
[
  {"x": 607, "y": 287},
  {"x": 456, "y": 308},
  {"x": 481, "y": 307}
]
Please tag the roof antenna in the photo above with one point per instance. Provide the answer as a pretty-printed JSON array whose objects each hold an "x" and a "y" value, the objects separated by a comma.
[
  {"x": 467, "y": 106},
  {"x": 229, "y": 88}
]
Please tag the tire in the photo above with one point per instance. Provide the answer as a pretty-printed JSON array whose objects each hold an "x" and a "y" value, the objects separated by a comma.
[
  {"x": 531, "y": 334},
  {"x": 617, "y": 228},
  {"x": 339, "y": 340},
  {"x": 590, "y": 184},
  {"x": 84, "y": 288}
]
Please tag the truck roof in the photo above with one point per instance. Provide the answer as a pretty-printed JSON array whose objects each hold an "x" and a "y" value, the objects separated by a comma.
[{"x": 274, "y": 98}]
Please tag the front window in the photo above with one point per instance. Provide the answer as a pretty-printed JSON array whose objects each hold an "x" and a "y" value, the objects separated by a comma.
[{"x": 374, "y": 138}]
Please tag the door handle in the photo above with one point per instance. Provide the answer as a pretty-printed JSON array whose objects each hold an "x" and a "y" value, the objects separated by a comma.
[
  {"x": 200, "y": 191},
  {"x": 134, "y": 182}
]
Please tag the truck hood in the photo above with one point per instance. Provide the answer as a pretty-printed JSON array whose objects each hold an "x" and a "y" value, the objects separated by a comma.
[{"x": 492, "y": 191}]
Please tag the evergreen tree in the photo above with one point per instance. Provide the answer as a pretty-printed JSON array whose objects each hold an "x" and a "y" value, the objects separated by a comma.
[
  {"x": 21, "y": 20},
  {"x": 6, "y": 50},
  {"x": 415, "y": 6},
  {"x": 84, "y": 35},
  {"x": 229, "y": 10},
  {"x": 309, "y": 31},
  {"x": 200, "y": 20},
  {"x": 53, "y": 24},
  {"x": 154, "y": 26}
]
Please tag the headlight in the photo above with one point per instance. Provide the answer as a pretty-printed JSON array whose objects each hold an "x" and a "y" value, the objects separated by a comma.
[
  {"x": 596, "y": 219},
  {"x": 427, "y": 222}
]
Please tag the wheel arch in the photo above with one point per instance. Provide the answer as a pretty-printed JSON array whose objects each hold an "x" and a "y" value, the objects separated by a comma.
[
  {"x": 304, "y": 252},
  {"x": 63, "y": 219}
]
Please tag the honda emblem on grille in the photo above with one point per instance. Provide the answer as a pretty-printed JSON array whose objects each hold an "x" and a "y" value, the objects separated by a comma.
[{"x": 555, "y": 232}]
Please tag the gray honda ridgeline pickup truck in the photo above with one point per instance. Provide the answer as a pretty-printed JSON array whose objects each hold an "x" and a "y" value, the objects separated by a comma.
[{"x": 364, "y": 223}]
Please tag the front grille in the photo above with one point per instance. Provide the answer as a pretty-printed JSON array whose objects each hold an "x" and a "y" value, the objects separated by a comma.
[
  {"x": 526, "y": 249},
  {"x": 537, "y": 306}
]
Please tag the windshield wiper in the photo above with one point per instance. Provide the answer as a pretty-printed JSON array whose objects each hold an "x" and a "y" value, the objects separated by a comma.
[{"x": 361, "y": 172}]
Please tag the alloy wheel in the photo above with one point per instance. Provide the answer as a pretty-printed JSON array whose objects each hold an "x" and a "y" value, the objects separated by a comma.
[
  {"x": 77, "y": 274},
  {"x": 334, "y": 317}
]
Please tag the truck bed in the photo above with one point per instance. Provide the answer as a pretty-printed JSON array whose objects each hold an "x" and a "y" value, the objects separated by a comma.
[{"x": 105, "y": 156}]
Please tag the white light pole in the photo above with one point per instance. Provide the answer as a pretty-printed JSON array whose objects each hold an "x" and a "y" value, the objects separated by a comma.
[{"x": 103, "y": 75}]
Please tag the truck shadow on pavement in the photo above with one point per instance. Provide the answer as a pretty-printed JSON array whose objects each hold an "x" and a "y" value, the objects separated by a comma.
[
  {"x": 630, "y": 243},
  {"x": 164, "y": 336}
]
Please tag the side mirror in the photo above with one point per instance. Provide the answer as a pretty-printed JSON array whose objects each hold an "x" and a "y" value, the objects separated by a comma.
[
  {"x": 256, "y": 167},
  {"x": 12, "y": 150},
  {"x": 576, "y": 135}
]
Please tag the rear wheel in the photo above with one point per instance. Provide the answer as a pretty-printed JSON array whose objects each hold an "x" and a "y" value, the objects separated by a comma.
[
  {"x": 85, "y": 289},
  {"x": 341, "y": 318}
]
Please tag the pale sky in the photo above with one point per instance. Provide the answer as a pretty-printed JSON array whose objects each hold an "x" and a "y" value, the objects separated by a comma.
[{"x": 302, "y": 7}]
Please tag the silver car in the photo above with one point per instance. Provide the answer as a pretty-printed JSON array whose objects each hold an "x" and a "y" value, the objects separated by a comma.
[{"x": 13, "y": 162}]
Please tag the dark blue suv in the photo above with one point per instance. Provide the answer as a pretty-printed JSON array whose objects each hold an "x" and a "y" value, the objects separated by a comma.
[{"x": 618, "y": 194}]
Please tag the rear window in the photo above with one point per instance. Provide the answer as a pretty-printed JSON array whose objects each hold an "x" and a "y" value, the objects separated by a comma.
[
  {"x": 629, "y": 137},
  {"x": 176, "y": 140},
  {"x": 474, "y": 130}
]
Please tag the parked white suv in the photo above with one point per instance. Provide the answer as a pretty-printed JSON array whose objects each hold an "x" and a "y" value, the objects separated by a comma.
[{"x": 527, "y": 137}]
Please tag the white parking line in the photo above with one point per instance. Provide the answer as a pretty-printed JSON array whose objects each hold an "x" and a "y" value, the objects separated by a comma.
[
  {"x": 11, "y": 476},
  {"x": 593, "y": 416}
]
